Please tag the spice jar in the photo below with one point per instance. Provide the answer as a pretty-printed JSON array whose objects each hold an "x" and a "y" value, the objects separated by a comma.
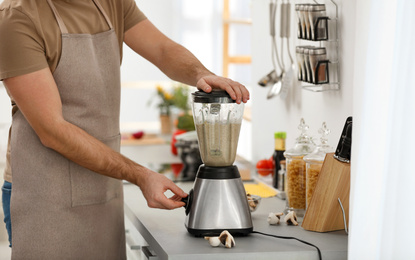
[
  {"x": 314, "y": 162},
  {"x": 319, "y": 72},
  {"x": 296, "y": 171},
  {"x": 307, "y": 21},
  {"x": 299, "y": 51},
  {"x": 303, "y": 20},
  {"x": 318, "y": 26},
  {"x": 299, "y": 29},
  {"x": 307, "y": 77}
]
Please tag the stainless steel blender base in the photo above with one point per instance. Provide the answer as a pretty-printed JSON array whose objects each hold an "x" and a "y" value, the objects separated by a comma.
[{"x": 216, "y": 205}]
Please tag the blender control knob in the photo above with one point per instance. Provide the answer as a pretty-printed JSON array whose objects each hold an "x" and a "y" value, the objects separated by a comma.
[{"x": 188, "y": 201}]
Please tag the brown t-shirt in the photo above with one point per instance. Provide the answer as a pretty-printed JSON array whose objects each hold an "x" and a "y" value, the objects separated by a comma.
[{"x": 30, "y": 38}]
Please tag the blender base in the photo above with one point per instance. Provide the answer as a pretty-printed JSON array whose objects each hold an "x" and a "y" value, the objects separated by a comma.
[
  {"x": 218, "y": 202},
  {"x": 216, "y": 232}
]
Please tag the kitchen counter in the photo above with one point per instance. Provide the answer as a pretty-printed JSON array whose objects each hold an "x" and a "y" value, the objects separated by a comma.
[
  {"x": 166, "y": 235},
  {"x": 151, "y": 148}
]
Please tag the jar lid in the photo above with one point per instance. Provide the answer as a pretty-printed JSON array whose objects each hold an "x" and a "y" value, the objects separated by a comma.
[
  {"x": 317, "y": 51},
  {"x": 317, "y": 7},
  {"x": 299, "y": 49},
  {"x": 215, "y": 96},
  {"x": 319, "y": 153},
  {"x": 304, "y": 144}
]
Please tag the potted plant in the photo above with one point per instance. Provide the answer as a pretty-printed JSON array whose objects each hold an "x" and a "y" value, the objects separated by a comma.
[
  {"x": 165, "y": 104},
  {"x": 181, "y": 102}
]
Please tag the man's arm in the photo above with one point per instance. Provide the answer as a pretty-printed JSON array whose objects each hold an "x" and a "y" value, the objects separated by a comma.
[
  {"x": 177, "y": 62},
  {"x": 37, "y": 97}
]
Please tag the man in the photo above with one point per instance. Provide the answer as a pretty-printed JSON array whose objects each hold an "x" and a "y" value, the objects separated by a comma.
[{"x": 60, "y": 62}]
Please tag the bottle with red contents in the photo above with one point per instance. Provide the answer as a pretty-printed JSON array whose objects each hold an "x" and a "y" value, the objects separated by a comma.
[{"x": 278, "y": 155}]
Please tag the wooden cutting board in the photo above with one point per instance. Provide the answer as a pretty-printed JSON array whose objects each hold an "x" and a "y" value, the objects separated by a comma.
[{"x": 147, "y": 139}]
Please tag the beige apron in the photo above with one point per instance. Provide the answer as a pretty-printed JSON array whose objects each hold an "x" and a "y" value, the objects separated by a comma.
[{"x": 60, "y": 210}]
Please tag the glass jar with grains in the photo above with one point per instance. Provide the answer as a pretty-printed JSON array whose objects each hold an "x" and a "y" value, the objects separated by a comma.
[
  {"x": 296, "y": 171},
  {"x": 314, "y": 162}
]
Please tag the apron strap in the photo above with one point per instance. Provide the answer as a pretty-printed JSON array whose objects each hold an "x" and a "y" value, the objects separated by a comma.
[
  {"x": 61, "y": 24},
  {"x": 103, "y": 13}
]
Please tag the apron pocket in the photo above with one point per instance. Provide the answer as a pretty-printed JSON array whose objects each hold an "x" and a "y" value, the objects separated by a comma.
[{"x": 88, "y": 187}]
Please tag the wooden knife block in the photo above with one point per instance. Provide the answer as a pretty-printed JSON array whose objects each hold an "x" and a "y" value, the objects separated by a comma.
[{"x": 324, "y": 212}]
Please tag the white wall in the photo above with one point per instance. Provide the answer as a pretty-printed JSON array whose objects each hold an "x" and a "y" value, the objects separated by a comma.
[
  {"x": 188, "y": 22},
  {"x": 333, "y": 107}
]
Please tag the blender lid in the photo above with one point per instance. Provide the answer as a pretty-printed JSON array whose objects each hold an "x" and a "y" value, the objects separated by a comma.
[{"x": 215, "y": 96}]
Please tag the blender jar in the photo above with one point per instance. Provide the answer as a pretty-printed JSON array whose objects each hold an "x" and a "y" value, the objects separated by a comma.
[
  {"x": 314, "y": 162},
  {"x": 296, "y": 171},
  {"x": 218, "y": 121}
]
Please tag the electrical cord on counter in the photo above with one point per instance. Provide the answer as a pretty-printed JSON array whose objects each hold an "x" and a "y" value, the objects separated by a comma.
[{"x": 283, "y": 237}]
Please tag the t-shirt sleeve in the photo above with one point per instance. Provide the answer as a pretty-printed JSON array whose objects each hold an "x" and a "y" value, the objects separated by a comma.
[
  {"x": 132, "y": 15},
  {"x": 21, "y": 47}
]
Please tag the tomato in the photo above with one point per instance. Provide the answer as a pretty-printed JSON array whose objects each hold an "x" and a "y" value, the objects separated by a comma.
[
  {"x": 138, "y": 135},
  {"x": 264, "y": 167}
]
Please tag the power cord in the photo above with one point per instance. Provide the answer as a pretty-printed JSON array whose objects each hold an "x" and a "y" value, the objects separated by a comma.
[{"x": 302, "y": 241}]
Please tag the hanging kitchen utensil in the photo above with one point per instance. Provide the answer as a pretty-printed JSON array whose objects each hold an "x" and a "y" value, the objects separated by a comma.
[
  {"x": 276, "y": 87},
  {"x": 268, "y": 79},
  {"x": 288, "y": 75},
  {"x": 272, "y": 77}
]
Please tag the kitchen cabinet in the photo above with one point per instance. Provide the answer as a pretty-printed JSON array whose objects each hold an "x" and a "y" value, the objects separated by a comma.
[{"x": 167, "y": 238}]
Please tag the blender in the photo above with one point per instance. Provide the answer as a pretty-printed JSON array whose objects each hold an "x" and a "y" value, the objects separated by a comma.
[{"x": 218, "y": 199}]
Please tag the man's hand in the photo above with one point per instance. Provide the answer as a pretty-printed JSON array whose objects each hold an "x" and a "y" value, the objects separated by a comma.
[
  {"x": 153, "y": 186},
  {"x": 236, "y": 90}
]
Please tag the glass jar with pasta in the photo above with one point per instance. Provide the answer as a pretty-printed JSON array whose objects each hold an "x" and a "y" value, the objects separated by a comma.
[
  {"x": 314, "y": 162},
  {"x": 296, "y": 171}
]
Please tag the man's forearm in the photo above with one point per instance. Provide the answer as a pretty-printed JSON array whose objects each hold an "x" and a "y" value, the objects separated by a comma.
[{"x": 78, "y": 146}]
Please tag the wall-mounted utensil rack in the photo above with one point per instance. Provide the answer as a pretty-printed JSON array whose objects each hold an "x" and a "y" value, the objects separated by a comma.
[{"x": 330, "y": 66}]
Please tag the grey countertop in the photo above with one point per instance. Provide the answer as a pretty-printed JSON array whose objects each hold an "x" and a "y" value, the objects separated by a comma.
[{"x": 167, "y": 236}]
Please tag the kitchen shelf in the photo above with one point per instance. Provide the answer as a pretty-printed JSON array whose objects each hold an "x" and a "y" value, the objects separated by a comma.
[{"x": 333, "y": 69}]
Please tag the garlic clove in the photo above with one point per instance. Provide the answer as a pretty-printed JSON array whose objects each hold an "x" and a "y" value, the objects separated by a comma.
[
  {"x": 291, "y": 218},
  {"x": 274, "y": 218},
  {"x": 213, "y": 241},
  {"x": 227, "y": 239}
]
